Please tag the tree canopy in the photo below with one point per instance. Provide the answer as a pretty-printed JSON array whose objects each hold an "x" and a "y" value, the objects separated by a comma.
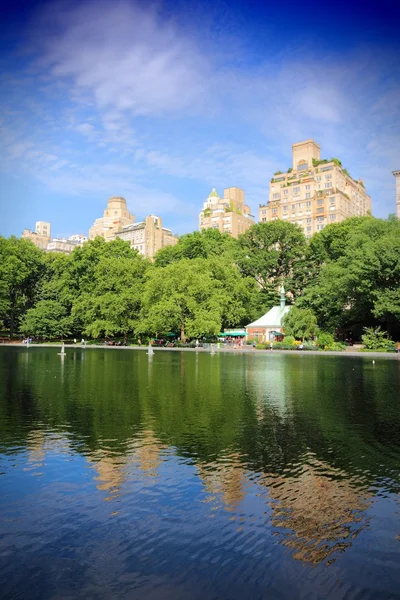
[{"x": 346, "y": 276}]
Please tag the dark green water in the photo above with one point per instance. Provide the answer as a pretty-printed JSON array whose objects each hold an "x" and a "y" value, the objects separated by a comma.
[{"x": 196, "y": 476}]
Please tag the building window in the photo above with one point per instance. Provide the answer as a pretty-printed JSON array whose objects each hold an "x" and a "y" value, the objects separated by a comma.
[
  {"x": 320, "y": 219},
  {"x": 264, "y": 220},
  {"x": 318, "y": 178},
  {"x": 321, "y": 201},
  {"x": 264, "y": 212},
  {"x": 302, "y": 165},
  {"x": 285, "y": 209},
  {"x": 300, "y": 205},
  {"x": 320, "y": 210},
  {"x": 308, "y": 195},
  {"x": 308, "y": 187},
  {"x": 308, "y": 203},
  {"x": 328, "y": 185},
  {"x": 308, "y": 220},
  {"x": 274, "y": 211},
  {"x": 332, "y": 217},
  {"x": 328, "y": 176},
  {"x": 308, "y": 228},
  {"x": 275, "y": 196},
  {"x": 293, "y": 207},
  {"x": 332, "y": 200},
  {"x": 296, "y": 190},
  {"x": 285, "y": 192}
]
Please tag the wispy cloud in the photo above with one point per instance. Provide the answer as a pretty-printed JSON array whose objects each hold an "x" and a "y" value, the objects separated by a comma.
[{"x": 125, "y": 57}]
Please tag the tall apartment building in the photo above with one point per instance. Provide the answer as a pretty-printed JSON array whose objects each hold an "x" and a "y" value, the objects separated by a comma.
[
  {"x": 314, "y": 192},
  {"x": 397, "y": 175},
  {"x": 229, "y": 214},
  {"x": 41, "y": 236},
  {"x": 148, "y": 236},
  {"x": 115, "y": 217}
]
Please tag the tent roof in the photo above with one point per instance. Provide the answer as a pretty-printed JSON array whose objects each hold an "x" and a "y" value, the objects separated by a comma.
[{"x": 273, "y": 318}]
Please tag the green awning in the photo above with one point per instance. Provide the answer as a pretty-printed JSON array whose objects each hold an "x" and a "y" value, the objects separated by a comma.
[
  {"x": 233, "y": 334},
  {"x": 277, "y": 333}
]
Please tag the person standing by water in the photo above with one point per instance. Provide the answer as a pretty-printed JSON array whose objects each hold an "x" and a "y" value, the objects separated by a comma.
[{"x": 83, "y": 343}]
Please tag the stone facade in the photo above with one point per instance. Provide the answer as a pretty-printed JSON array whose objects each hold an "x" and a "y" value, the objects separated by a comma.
[
  {"x": 148, "y": 236},
  {"x": 115, "y": 217},
  {"x": 314, "y": 193},
  {"x": 41, "y": 236},
  {"x": 229, "y": 214},
  {"x": 62, "y": 245}
]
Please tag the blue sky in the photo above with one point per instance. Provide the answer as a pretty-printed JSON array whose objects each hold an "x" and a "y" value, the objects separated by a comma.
[{"x": 160, "y": 102}]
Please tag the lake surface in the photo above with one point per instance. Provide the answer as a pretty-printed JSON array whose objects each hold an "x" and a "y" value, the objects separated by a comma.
[{"x": 190, "y": 475}]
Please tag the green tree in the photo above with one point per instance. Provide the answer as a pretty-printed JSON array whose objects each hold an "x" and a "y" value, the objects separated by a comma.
[
  {"x": 21, "y": 268},
  {"x": 374, "y": 338},
  {"x": 273, "y": 253},
  {"x": 199, "y": 244},
  {"x": 357, "y": 277},
  {"x": 48, "y": 319},
  {"x": 194, "y": 297},
  {"x": 110, "y": 304},
  {"x": 301, "y": 323}
]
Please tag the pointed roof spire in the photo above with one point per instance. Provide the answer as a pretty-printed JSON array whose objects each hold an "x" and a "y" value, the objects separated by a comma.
[
  {"x": 283, "y": 298},
  {"x": 213, "y": 194}
]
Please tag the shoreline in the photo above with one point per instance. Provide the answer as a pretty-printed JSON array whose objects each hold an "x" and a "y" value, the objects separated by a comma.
[{"x": 244, "y": 350}]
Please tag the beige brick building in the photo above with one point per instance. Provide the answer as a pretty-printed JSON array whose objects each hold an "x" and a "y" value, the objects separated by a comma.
[
  {"x": 115, "y": 217},
  {"x": 41, "y": 236},
  {"x": 148, "y": 236},
  {"x": 397, "y": 175},
  {"x": 229, "y": 214},
  {"x": 314, "y": 192}
]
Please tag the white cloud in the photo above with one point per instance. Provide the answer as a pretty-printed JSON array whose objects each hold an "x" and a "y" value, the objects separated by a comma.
[{"x": 124, "y": 56}]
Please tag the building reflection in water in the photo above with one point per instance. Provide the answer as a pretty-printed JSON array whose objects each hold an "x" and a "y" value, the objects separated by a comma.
[
  {"x": 225, "y": 481},
  {"x": 113, "y": 470},
  {"x": 319, "y": 510}
]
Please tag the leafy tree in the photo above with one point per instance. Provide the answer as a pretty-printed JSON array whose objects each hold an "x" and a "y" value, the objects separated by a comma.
[
  {"x": 110, "y": 305},
  {"x": 21, "y": 268},
  {"x": 375, "y": 339},
  {"x": 199, "y": 244},
  {"x": 358, "y": 274},
  {"x": 273, "y": 253},
  {"x": 180, "y": 297},
  {"x": 301, "y": 323},
  {"x": 194, "y": 298},
  {"x": 48, "y": 319}
]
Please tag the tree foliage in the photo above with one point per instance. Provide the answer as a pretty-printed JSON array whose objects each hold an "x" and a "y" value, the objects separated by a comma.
[
  {"x": 273, "y": 253},
  {"x": 347, "y": 276},
  {"x": 300, "y": 323},
  {"x": 21, "y": 266}
]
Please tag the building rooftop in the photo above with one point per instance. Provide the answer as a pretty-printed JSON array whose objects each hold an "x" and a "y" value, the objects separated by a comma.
[{"x": 273, "y": 318}]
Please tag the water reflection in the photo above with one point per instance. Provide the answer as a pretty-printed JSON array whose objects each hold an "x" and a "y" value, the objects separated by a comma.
[{"x": 290, "y": 453}]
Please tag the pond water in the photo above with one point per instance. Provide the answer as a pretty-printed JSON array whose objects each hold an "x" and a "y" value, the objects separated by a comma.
[{"x": 191, "y": 475}]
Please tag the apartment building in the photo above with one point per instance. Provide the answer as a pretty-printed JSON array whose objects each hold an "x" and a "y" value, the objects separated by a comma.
[
  {"x": 148, "y": 236},
  {"x": 314, "y": 192},
  {"x": 397, "y": 175},
  {"x": 229, "y": 214},
  {"x": 41, "y": 236},
  {"x": 61, "y": 245},
  {"x": 115, "y": 217}
]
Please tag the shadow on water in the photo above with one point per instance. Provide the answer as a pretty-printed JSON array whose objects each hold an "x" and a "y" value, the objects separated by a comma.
[{"x": 198, "y": 475}]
